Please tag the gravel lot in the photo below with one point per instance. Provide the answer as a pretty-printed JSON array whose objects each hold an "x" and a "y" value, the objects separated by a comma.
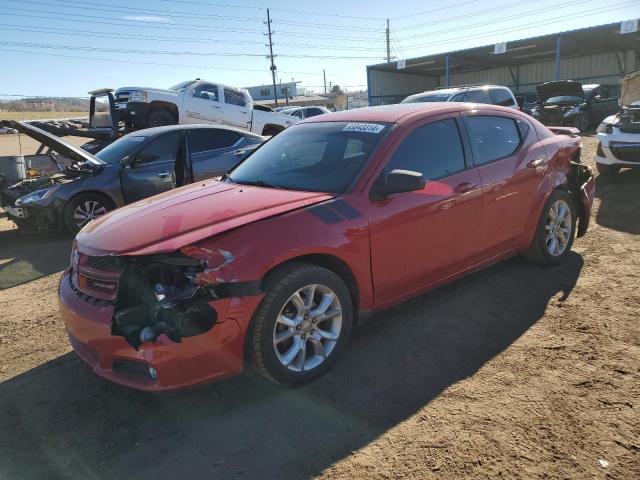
[{"x": 518, "y": 371}]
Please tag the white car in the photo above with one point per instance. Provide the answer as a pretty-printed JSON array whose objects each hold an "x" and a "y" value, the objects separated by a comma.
[
  {"x": 490, "y": 94},
  {"x": 304, "y": 112},
  {"x": 197, "y": 101},
  {"x": 619, "y": 135}
]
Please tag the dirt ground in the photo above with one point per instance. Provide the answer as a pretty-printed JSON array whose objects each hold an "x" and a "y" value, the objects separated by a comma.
[{"x": 518, "y": 371}]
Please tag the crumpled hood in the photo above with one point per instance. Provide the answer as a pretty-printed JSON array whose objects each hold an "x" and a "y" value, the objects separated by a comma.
[
  {"x": 186, "y": 215},
  {"x": 559, "y": 88}
]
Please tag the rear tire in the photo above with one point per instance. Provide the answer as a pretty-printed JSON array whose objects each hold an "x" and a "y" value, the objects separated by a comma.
[
  {"x": 159, "y": 118},
  {"x": 83, "y": 208},
  {"x": 302, "y": 324},
  {"x": 555, "y": 232},
  {"x": 604, "y": 169}
]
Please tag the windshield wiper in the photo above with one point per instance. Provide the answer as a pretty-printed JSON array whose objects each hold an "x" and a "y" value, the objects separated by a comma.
[{"x": 258, "y": 183}]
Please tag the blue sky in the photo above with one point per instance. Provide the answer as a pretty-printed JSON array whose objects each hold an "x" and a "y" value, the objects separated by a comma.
[{"x": 68, "y": 47}]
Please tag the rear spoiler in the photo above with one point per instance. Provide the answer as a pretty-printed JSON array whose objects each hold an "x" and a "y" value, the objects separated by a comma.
[{"x": 571, "y": 131}]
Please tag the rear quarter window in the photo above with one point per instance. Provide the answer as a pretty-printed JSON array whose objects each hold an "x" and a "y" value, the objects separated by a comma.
[{"x": 502, "y": 97}]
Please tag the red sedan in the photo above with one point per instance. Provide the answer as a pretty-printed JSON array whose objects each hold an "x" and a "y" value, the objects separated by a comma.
[{"x": 334, "y": 218}]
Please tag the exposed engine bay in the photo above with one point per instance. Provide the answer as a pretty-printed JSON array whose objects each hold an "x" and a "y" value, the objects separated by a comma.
[
  {"x": 159, "y": 295},
  {"x": 164, "y": 294}
]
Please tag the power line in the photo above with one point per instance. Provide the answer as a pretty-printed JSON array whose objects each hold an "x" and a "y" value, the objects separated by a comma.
[
  {"x": 177, "y": 14},
  {"x": 133, "y": 36},
  {"x": 448, "y": 7},
  {"x": 170, "y": 52},
  {"x": 286, "y": 10},
  {"x": 172, "y": 26},
  {"x": 465, "y": 15},
  {"x": 535, "y": 11},
  {"x": 208, "y": 67},
  {"x": 526, "y": 26}
]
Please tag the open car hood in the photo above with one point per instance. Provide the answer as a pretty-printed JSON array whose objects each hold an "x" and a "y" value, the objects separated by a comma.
[
  {"x": 57, "y": 144},
  {"x": 559, "y": 88},
  {"x": 174, "y": 219},
  {"x": 630, "y": 89}
]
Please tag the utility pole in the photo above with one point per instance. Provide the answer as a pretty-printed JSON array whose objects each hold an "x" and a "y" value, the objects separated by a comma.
[
  {"x": 388, "y": 46},
  {"x": 273, "y": 66},
  {"x": 324, "y": 75}
]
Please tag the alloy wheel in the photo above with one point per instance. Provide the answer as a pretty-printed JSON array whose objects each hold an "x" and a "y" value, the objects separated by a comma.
[
  {"x": 558, "y": 228},
  {"x": 87, "y": 211},
  {"x": 307, "y": 328}
]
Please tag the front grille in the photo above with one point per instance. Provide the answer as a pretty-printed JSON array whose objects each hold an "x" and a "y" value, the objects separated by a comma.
[
  {"x": 88, "y": 298},
  {"x": 108, "y": 264},
  {"x": 627, "y": 152}
]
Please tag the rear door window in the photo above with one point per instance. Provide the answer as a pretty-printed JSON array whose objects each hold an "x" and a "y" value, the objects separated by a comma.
[
  {"x": 435, "y": 150},
  {"x": 493, "y": 137},
  {"x": 502, "y": 97},
  {"x": 206, "y": 139},
  {"x": 233, "y": 97}
]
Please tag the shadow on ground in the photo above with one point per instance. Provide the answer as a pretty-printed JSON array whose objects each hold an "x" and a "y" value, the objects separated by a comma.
[
  {"x": 60, "y": 420},
  {"x": 27, "y": 257},
  {"x": 619, "y": 200}
]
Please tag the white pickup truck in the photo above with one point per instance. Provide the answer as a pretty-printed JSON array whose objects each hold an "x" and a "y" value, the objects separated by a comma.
[{"x": 197, "y": 101}]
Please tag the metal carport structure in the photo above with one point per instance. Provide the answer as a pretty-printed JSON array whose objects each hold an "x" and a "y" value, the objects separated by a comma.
[{"x": 598, "y": 54}]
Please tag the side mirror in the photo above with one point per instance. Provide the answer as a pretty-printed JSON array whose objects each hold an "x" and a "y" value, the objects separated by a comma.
[
  {"x": 398, "y": 181},
  {"x": 126, "y": 161}
]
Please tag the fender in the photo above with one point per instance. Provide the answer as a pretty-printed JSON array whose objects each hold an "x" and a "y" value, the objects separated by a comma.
[{"x": 292, "y": 236}]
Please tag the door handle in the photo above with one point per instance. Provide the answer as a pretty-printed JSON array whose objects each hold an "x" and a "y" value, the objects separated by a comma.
[
  {"x": 538, "y": 162},
  {"x": 163, "y": 174},
  {"x": 464, "y": 187}
]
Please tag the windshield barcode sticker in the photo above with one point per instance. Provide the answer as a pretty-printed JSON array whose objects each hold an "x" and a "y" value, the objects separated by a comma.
[{"x": 363, "y": 127}]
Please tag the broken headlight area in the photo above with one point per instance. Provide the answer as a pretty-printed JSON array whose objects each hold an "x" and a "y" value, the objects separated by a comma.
[{"x": 159, "y": 295}]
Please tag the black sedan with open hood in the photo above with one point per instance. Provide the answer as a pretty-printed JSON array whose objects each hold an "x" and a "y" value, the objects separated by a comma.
[{"x": 570, "y": 103}]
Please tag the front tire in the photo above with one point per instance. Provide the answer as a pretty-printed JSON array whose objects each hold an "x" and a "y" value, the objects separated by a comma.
[
  {"x": 302, "y": 325},
  {"x": 604, "y": 169},
  {"x": 83, "y": 208},
  {"x": 555, "y": 231},
  {"x": 159, "y": 118}
]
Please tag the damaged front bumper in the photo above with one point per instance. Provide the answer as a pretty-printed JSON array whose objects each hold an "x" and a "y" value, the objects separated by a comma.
[
  {"x": 582, "y": 183},
  {"x": 152, "y": 338}
]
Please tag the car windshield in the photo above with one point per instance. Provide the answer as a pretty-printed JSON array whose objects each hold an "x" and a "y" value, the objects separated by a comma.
[
  {"x": 182, "y": 85},
  {"x": 119, "y": 149},
  {"x": 429, "y": 97},
  {"x": 316, "y": 157},
  {"x": 564, "y": 99}
]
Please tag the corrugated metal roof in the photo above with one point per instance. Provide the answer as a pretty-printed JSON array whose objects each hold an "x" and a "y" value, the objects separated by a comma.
[{"x": 583, "y": 41}]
